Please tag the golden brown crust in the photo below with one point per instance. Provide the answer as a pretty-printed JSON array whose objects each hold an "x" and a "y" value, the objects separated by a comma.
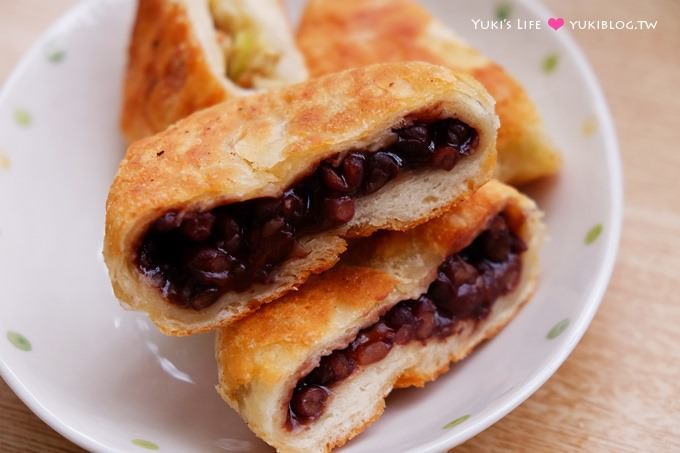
[
  {"x": 334, "y": 35},
  {"x": 259, "y": 360},
  {"x": 168, "y": 76},
  {"x": 174, "y": 67},
  {"x": 259, "y": 145}
]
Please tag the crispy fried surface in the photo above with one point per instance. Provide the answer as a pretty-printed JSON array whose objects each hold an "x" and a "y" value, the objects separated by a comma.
[{"x": 168, "y": 76}]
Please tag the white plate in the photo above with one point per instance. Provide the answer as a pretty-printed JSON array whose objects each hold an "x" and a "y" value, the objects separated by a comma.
[{"x": 107, "y": 380}]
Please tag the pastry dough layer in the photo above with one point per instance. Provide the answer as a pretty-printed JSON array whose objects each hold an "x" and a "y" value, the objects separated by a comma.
[
  {"x": 335, "y": 35},
  {"x": 258, "y": 146},
  {"x": 262, "y": 357}
]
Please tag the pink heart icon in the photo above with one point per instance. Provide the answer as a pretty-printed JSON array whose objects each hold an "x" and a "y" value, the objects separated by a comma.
[{"x": 556, "y": 23}]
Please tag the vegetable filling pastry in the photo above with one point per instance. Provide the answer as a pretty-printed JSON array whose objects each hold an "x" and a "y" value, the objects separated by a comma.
[{"x": 186, "y": 55}]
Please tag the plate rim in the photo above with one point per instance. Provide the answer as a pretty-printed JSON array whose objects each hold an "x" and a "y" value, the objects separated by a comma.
[{"x": 491, "y": 415}]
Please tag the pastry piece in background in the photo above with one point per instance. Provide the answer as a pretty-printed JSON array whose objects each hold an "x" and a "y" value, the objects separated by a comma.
[
  {"x": 334, "y": 35},
  {"x": 312, "y": 370},
  {"x": 185, "y": 55},
  {"x": 239, "y": 203}
]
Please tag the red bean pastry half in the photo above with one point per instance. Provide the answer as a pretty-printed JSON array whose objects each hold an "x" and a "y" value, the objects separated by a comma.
[
  {"x": 321, "y": 201},
  {"x": 274, "y": 186},
  {"x": 396, "y": 311},
  {"x": 432, "y": 314}
]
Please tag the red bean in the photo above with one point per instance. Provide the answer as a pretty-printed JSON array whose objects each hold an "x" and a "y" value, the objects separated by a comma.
[
  {"x": 333, "y": 181},
  {"x": 169, "y": 221},
  {"x": 460, "y": 136},
  {"x": 510, "y": 275},
  {"x": 468, "y": 296},
  {"x": 353, "y": 171},
  {"x": 213, "y": 279},
  {"x": 229, "y": 232},
  {"x": 372, "y": 352},
  {"x": 209, "y": 259},
  {"x": 457, "y": 134},
  {"x": 204, "y": 299},
  {"x": 445, "y": 325},
  {"x": 496, "y": 240},
  {"x": 333, "y": 368},
  {"x": 241, "y": 277},
  {"x": 405, "y": 334},
  {"x": 198, "y": 226},
  {"x": 413, "y": 149},
  {"x": 416, "y": 132},
  {"x": 400, "y": 315},
  {"x": 210, "y": 267},
  {"x": 445, "y": 158},
  {"x": 338, "y": 210},
  {"x": 459, "y": 271},
  {"x": 382, "y": 167},
  {"x": 265, "y": 208},
  {"x": 272, "y": 227},
  {"x": 273, "y": 243},
  {"x": 441, "y": 290},
  {"x": 372, "y": 344},
  {"x": 308, "y": 402},
  {"x": 294, "y": 208},
  {"x": 424, "y": 311}
]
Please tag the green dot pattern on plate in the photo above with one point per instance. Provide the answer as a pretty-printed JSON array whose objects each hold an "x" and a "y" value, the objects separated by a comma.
[
  {"x": 549, "y": 64},
  {"x": 558, "y": 329},
  {"x": 593, "y": 234},
  {"x": 145, "y": 444},
  {"x": 503, "y": 11},
  {"x": 56, "y": 55},
  {"x": 456, "y": 422},
  {"x": 19, "y": 341},
  {"x": 22, "y": 117}
]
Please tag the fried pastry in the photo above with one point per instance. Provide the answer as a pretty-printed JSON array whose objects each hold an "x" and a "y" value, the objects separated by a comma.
[
  {"x": 335, "y": 35},
  {"x": 239, "y": 203},
  {"x": 312, "y": 370},
  {"x": 185, "y": 55}
]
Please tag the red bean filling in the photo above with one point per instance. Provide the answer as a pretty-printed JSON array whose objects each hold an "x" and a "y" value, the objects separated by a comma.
[
  {"x": 195, "y": 257},
  {"x": 466, "y": 286}
]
